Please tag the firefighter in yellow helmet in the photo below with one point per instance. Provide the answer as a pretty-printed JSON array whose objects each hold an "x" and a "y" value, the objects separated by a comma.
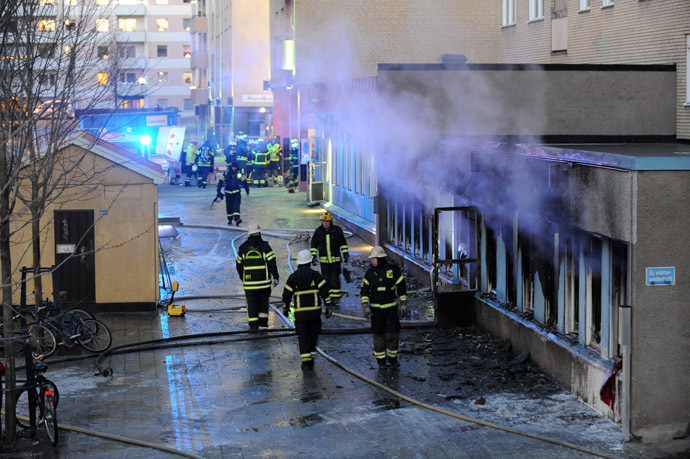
[
  {"x": 382, "y": 287},
  {"x": 327, "y": 245}
]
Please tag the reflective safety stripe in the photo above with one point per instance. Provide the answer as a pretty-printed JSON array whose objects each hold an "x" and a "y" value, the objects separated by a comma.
[
  {"x": 391, "y": 353},
  {"x": 381, "y": 289},
  {"x": 365, "y": 281},
  {"x": 365, "y": 300},
  {"x": 380, "y": 355},
  {"x": 306, "y": 357},
  {"x": 232, "y": 191},
  {"x": 403, "y": 297},
  {"x": 257, "y": 287},
  {"x": 263, "y": 315},
  {"x": 400, "y": 279},
  {"x": 384, "y": 306},
  {"x": 287, "y": 287},
  {"x": 310, "y": 308},
  {"x": 304, "y": 292}
]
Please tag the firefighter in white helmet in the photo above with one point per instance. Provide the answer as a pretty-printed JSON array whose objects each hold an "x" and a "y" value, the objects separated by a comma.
[
  {"x": 382, "y": 287},
  {"x": 256, "y": 265},
  {"x": 306, "y": 286}
]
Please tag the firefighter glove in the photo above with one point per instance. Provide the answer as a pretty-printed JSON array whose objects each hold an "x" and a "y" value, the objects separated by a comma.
[
  {"x": 286, "y": 309},
  {"x": 365, "y": 310},
  {"x": 403, "y": 308},
  {"x": 329, "y": 311},
  {"x": 314, "y": 260},
  {"x": 219, "y": 197},
  {"x": 247, "y": 190},
  {"x": 274, "y": 282}
]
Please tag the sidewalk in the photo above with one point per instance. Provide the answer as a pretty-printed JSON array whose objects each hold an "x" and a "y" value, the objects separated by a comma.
[{"x": 250, "y": 398}]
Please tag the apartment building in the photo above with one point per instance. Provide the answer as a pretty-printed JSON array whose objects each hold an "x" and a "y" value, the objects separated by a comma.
[
  {"x": 534, "y": 171},
  {"x": 230, "y": 69}
]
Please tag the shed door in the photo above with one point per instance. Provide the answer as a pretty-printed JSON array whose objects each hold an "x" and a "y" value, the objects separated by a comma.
[{"x": 74, "y": 246}]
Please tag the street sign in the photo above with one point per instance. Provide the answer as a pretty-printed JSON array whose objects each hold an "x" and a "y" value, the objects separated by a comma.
[{"x": 661, "y": 276}]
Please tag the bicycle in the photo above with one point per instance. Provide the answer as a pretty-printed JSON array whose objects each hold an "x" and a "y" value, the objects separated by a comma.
[
  {"x": 45, "y": 403},
  {"x": 91, "y": 334}
]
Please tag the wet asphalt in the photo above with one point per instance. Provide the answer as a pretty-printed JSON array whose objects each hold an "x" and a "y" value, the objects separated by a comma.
[{"x": 242, "y": 395}]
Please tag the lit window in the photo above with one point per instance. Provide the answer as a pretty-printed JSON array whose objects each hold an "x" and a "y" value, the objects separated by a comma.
[
  {"x": 536, "y": 9},
  {"x": 162, "y": 24},
  {"x": 103, "y": 52},
  {"x": 508, "y": 12},
  {"x": 186, "y": 24},
  {"x": 70, "y": 24},
  {"x": 127, "y": 24},
  {"x": 187, "y": 77},
  {"x": 102, "y": 2},
  {"x": 102, "y": 79},
  {"x": 187, "y": 51},
  {"x": 68, "y": 49},
  {"x": 46, "y": 25},
  {"x": 163, "y": 77},
  {"x": 46, "y": 2},
  {"x": 162, "y": 51},
  {"x": 70, "y": 2},
  {"x": 102, "y": 25}
]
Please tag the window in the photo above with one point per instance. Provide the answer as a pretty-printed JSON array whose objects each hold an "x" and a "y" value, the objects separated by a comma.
[
  {"x": 127, "y": 24},
  {"x": 187, "y": 77},
  {"x": 128, "y": 51},
  {"x": 67, "y": 49},
  {"x": 128, "y": 78},
  {"x": 102, "y": 78},
  {"x": 607, "y": 3},
  {"x": 162, "y": 103},
  {"x": 162, "y": 24},
  {"x": 187, "y": 51},
  {"x": 188, "y": 104},
  {"x": 163, "y": 77},
  {"x": 102, "y": 25},
  {"x": 508, "y": 12},
  {"x": 47, "y": 79},
  {"x": 186, "y": 24},
  {"x": 46, "y": 2},
  {"x": 70, "y": 24},
  {"x": 70, "y": 2},
  {"x": 162, "y": 51},
  {"x": 536, "y": 10},
  {"x": 687, "y": 74},
  {"x": 584, "y": 5},
  {"x": 103, "y": 2},
  {"x": 103, "y": 52},
  {"x": 46, "y": 25}
]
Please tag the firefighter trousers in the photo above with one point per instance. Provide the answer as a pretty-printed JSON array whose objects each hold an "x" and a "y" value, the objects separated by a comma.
[
  {"x": 385, "y": 325},
  {"x": 257, "y": 307},
  {"x": 331, "y": 273},
  {"x": 232, "y": 206},
  {"x": 308, "y": 336}
]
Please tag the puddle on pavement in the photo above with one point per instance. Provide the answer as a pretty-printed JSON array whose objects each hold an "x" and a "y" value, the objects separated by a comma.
[
  {"x": 312, "y": 397},
  {"x": 306, "y": 421},
  {"x": 387, "y": 403}
]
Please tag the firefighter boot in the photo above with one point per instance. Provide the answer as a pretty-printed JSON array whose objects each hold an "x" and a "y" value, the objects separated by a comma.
[
  {"x": 382, "y": 363},
  {"x": 393, "y": 361}
]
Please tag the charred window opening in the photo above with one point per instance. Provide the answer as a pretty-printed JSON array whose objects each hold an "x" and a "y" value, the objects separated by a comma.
[{"x": 595, "y": 252}]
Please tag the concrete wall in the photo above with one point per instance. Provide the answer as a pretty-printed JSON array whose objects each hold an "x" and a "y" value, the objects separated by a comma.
[
  {"x": 551, "y": 101},
  {"x": 628, "y": 32},
  {"x": 661, "y": 314},
  {"x": 126, "y": 259}
]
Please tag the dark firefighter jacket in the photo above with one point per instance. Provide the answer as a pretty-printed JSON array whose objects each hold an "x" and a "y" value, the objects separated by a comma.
[
  {"x": 255, "y": 263},
  {"x": 233, "y": 182},
  {"x": 205, "y": 157},
  {"x": 382, "y": 285},
  {"x": 306, "y": 285},
  {"x": 328, "y": 243}
]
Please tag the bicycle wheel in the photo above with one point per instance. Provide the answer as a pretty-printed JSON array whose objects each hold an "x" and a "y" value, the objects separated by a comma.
[
  {"x": 93, "y": 335},
  {"x": 50, "y": 418},
  {"x": 42, "y": 340},
  {"x": 78, "y": 314},
  {"x": 22, "y": 408}
]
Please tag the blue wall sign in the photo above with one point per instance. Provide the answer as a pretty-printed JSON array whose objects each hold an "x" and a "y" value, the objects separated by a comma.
[{"x": 661, "y": 276}]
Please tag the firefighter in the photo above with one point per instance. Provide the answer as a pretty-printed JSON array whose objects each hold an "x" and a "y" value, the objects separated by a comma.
[
  {"x": 260, "y": 164},
  {"x": 233, "y": 181},
  {"x": 189, "y": 161},
  {"x": 327, "y": 244},
  {"x": 230, "y": 153},
  {"x": 275, "y": 154},
  {"x": 242, "y": 155},
  {"x": 306, "y": 285},
  {"x": 294, "y": 166},
  {"x": 383, "y": 285},
  {"x": 205, "y": 159},
  {"x": 256, "y": 266}
]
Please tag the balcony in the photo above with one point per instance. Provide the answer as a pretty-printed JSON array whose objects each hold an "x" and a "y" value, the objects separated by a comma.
[
  {"x": 131, "y": 89},
  {"x": 200, "y": 96},
  {"x": 199, "y": 60},
  {"x": 130, "y": 10},
  {"x": 131, "y": 37},
  {"x": 199, "y": 25}
]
